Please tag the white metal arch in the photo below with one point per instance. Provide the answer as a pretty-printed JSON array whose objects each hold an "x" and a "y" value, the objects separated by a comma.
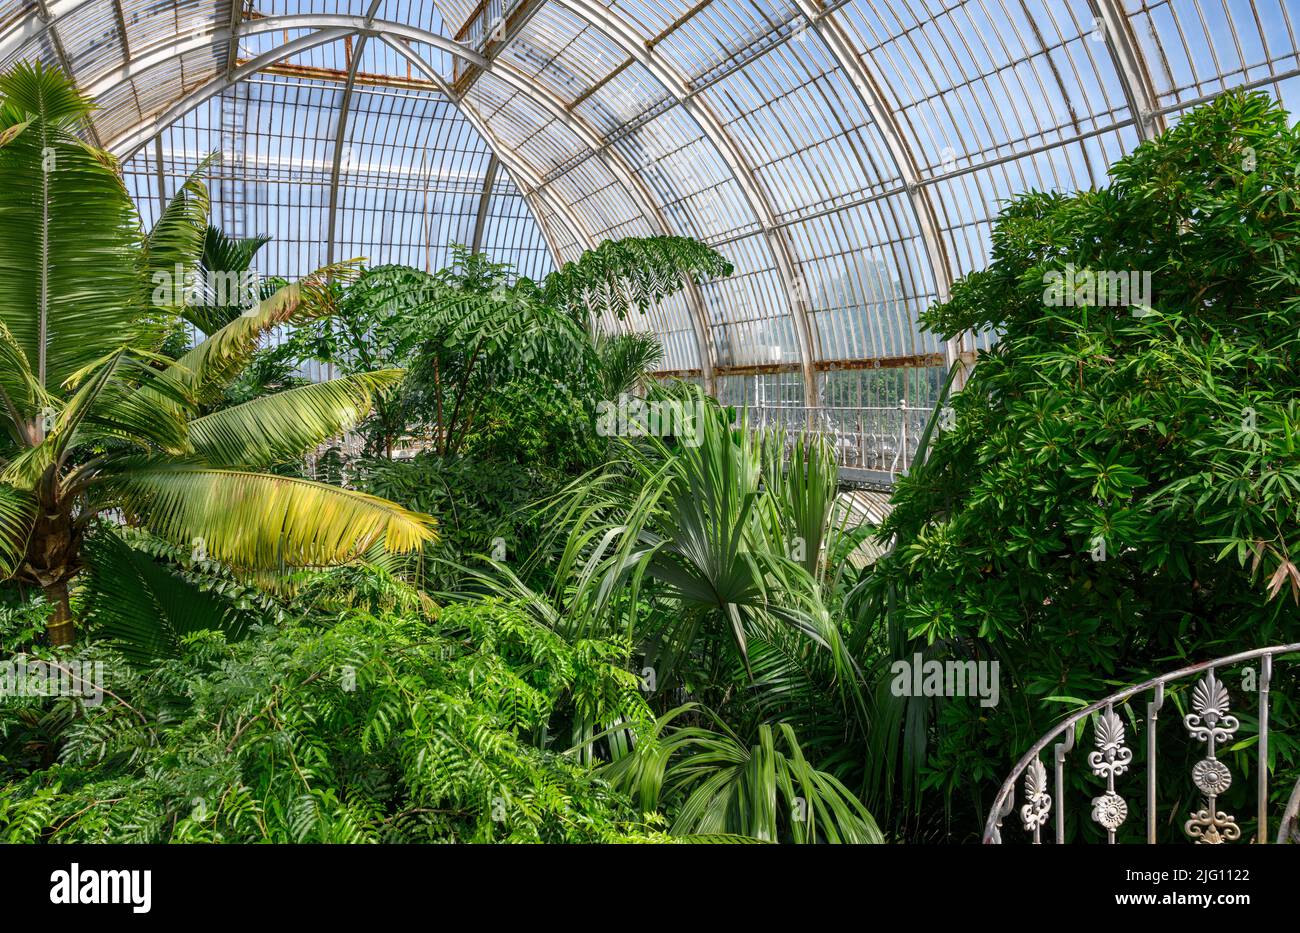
[
  {"x": 1131, "y": 66},
  {"x": 869, "y": 88},
  {"x": 387, "y": 30},
  {"x": 625, "y": 38},
  {"x": 341, "y": 131},
  {"x": 130, "y": 142},
  {"x": 633, "y": 183},
  {"x": 1132, "y": 69}
]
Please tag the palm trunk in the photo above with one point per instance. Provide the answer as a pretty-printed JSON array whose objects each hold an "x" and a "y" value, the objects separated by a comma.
[{"x": 59, "y": 628}]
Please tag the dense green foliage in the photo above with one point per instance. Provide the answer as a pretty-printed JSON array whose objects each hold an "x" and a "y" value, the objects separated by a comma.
[
  {"x": 1118, "y": 495},
  {"x": 95, "y": 420},
  {"x": 374, "y": 728},
  {"x": 623, "y": 631}
]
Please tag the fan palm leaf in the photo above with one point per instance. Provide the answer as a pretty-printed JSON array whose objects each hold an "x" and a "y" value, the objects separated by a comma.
[
  {"x": 171, "y": 248},
  {"x": 718, "y": 784}
]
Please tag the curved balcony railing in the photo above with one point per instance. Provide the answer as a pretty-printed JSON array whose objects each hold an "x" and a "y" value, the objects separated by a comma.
[
  {"x": 873, "y": 439},
  {"x": 1210, "y": 720}
]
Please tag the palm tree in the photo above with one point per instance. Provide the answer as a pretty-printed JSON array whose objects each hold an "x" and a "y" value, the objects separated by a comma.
[
  {"x": 717, "y": 783},
  {"x": 226, "y": 264},
  {"x": 625, "y": 360},
  {"x": 97, "y": 422}
]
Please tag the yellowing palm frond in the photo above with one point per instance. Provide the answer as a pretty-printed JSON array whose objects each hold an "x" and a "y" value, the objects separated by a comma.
[
  {"x": 276, "y": 428},
  {"x": 29, "y": 464},
  {"x": 20, "y": 394},
  {"x": 255, "y": 521}
]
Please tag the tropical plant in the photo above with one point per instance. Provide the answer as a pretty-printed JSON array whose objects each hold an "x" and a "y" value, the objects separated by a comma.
[
  {"x": 632, "y": 274},
  {"x": 373, "y": 728},
  {"x": 1118, "y": 493},
  {"x": 471, "y": 330},
  {"x": 624, "y": 361},
  {"x": 227, "y": 284},
  {"x": 688, "y": 545},
  {"x": 691, "y": 513},
  {"x": 97, "y": 423},
  {"x": 715, "y": 783}
]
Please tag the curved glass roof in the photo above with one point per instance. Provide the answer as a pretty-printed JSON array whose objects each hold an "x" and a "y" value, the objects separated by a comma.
[{"x": 846, "y": 156}]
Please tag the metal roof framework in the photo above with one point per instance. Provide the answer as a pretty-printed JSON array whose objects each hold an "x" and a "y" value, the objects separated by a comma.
[{"x": 847, "y": 155}]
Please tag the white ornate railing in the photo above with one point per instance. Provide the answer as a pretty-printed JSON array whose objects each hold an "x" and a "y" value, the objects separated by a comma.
[
  {"x": 881, "y": 439},
  {"x": 1210, "y": 721}
]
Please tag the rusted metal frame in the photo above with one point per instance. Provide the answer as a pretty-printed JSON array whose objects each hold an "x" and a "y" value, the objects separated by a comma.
[
  {"x": 573, "y": 104},
  {"x": 338, "y": 75},
  {"x": 677, "y": 24},
  {"x": 232, "y": 49},
  {"x": 918, "y": 361},
  {"x": 514, "y": 23},
  {"x": 130, "y": 142}
]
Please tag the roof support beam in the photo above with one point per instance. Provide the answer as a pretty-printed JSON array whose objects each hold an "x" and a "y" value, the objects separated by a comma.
[
  {"x": 43, "y": 11},
  {"x": 341, "y": 131},
  {"x": 178, "y": 45},
  {"x": 334, "y": 27},
  {"x": 393, "y": 34},
  {"x": 484, "y": 202},
  {"x": 499, "y": 34},
  {"x": 232, "y": 45},
  {"x": 1131, "y": 67},
  {"x": 129, "y": 143},
  {"x": 620, "y": 34},
  {"x": 121, "y": 28},
  {"x": 517, "y": 167},
  {"x": 635, "y": 186},
  {"x": 870, "y": 90}
]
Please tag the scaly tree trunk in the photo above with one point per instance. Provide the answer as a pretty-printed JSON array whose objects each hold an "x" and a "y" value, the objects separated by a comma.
[
  {"x": 52, "y": 560},
  {"x": 59, "y": 628}
]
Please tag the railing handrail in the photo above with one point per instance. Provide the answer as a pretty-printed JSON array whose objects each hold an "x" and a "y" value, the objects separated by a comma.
[{"x": 1003, "y": 801}]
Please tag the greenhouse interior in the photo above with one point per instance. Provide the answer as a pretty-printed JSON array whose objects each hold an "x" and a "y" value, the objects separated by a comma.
[{"x": 653, "y": 421}]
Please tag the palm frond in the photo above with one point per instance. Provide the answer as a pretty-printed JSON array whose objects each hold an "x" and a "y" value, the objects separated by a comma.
[
  {"x": 65, "y": 221},
  {"x": 225, "y": 253},
  {"x": 254, "y": 521},
  {"x": 227, "y": 289},
  {"x": 277, "y": 428},
  {"x": 172, "y": 248},
  {"x": 718, "y": 784},
  {"x": 17, "y": 515},
  {"x": 625, "y": 359},
  {"x": 21, "y": 396},
  {"x": 208, "y": 367},
  {"x": 144, "y": 608}
]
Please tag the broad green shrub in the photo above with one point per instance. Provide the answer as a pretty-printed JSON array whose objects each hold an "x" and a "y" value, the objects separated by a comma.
[
  {"x": 1118, "y": 494},
  {"x": 380, "y": 728}
]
